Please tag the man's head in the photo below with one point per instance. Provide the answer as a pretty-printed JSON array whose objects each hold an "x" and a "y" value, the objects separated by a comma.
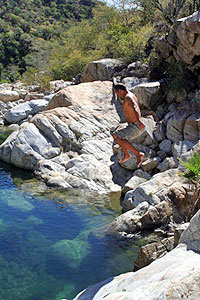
[{"x": 120, "y": 90}]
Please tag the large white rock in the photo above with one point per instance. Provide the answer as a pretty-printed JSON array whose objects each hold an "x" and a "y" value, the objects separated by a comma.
[
  {"x": 191, "y": 236},
  {"x": 176, "y": 123},
  {"x": 23, "y": 110},
  {"x": 102, "y": 69},
  {"x": 148, "y": 94},
  {"x": 175, "y": 276},
  {"x": 153, "y": 190},
  {"x": 8, "y": 95},
  {"x": 83, "y": 128}
]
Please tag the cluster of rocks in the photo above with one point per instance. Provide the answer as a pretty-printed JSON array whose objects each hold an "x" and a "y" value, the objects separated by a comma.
[
  {"x": 63, "y": 136},
  {"x": 172, "y": 276}
]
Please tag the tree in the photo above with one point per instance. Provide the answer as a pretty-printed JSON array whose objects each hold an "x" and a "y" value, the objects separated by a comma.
[{"x": 171, "y": 10}]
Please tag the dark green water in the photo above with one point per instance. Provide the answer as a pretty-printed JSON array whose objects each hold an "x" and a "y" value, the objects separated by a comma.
[{"x": 50, "y": 243}]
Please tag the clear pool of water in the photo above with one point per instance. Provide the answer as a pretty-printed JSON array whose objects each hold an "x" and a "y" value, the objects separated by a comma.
[{"x": 51, "y": 242}]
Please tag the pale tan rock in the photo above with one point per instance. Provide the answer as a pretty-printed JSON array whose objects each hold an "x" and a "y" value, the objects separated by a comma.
[
  {"x": 102, "y": 69},
  {"x": 8, "y": 95},
  {"x": 84, "y": 128},
  {"x": 148, "y": 94},
  {"x": 150, "y": 252},
  {"x": 166, "y": 278},
  {"x": 192, "y": 128},
  {"x": 150, "y": 164},
  {"x": 178, "y": 231},
  {"x": 144, "y": 216}
]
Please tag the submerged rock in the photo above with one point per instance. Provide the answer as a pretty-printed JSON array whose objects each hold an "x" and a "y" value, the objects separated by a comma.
[
  {"x": 165, "y": 279},
  {"x": 70, "y": 252}
]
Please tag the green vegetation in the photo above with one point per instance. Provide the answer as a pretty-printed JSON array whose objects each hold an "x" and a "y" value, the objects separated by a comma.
[
  {"x": 192, "y": 174},
  {"x": 24, "y": 24},
  {"x": 44, "y": 40}
]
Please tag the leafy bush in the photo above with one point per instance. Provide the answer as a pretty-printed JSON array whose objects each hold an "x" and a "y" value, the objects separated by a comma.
[{"x": 192, "y": 172}]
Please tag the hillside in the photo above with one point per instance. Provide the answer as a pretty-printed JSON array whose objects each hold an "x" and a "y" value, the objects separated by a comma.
[{"x": 24, "y": 23}]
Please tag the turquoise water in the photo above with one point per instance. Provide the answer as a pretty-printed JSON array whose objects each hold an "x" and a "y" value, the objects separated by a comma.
[{"x": 51, "y": 243}]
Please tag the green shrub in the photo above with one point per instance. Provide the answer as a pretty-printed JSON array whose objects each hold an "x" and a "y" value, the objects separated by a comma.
[{"x": 192, "y": 172}]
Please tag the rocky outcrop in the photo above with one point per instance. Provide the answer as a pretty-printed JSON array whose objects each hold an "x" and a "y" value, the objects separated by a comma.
[
  {"x": 144, "y": 216},
  {"x": 190, "y": 236},
  {"x": 103, "y": 69},
  {"x": 23, "y": 110},
  {"x": 49, "y": 143},
  {"x": 76, "y": 120},
  {"x": 150, "y": 252},
  {"x": 153, "y": 191},
  {"x": 8, "y": 95},
  {"x": 182, "y": 45},
  {"x": 174, "y": 276},
  {"x": 149, "y": 94},
  {"x": 168, "y": 277},
  {"x": 188, "y": 39}
]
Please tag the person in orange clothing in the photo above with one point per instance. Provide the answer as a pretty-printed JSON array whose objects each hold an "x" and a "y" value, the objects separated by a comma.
[{"x": 134, "y": 126}]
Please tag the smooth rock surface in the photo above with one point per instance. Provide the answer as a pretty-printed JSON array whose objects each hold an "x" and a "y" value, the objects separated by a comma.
[
  {"x": 175, "y": 276},
  {"x": 23, "y": 110}
]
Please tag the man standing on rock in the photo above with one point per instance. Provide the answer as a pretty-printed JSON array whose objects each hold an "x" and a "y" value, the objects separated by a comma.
[{"x": 134, "y": 126}]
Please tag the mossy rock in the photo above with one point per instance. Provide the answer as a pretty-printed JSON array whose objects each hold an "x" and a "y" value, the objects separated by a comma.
[
  {"x": 66, "y": 292},
  {"x": 13, "y": 199},
  {"x": 70, "y": 252}
]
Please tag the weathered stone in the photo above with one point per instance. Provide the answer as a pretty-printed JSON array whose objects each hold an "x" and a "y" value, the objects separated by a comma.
[
  {"x": 150, "y": 164},
  {"x": 166, "y": 146},
  {"x": 191, "y": 235},
  {"x": 181, "y": 147},
  {"x": 23, "y": 110},
  {"x": 168, "y": 163},
  {"x": 138, "y": 69},
  {"x": 176, "y": 95},
  {"x": 178, "y": 231},
  {"x": 132, "y": 184},
  {"x": 159, "y": 132},
  {"x": 162, "y": 155},
  {"x": 157, "y": 214},
  {"x": 144, "y": 216},
  {"x": 33, "y": 96},
  {"x": 163, "y": 48},
  {"x": 191, "y": 130},
  {"x": 187, "y": 46},
  {"x": 5, "y": 86},
  {"x": 166, "y": 278},
  {"x": 102, "y": 69},
  {"x": 147, "y": 254},
  {"x": 176, "y": 124},
  {"x": 148, "y": 94},
  {"x": 142, "y": 174},
  {"x": 130, "y": 82},
  {"x": 58, "y": 85},
  {"x": 150, "y": 190},
  {"x": 8, "y": 95},
  {"x": 192, "y": 22}
]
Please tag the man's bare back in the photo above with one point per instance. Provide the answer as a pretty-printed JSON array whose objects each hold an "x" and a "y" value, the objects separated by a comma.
[{"x": 135, "y": 126}]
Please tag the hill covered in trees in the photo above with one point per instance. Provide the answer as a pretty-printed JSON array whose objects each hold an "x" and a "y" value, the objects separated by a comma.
[
  {"x": 43, "y": 40},
  {"x": 24, "y": 23}
]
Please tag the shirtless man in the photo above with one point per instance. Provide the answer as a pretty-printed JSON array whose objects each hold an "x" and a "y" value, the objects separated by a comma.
[{"x": 134, "y": 127}]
